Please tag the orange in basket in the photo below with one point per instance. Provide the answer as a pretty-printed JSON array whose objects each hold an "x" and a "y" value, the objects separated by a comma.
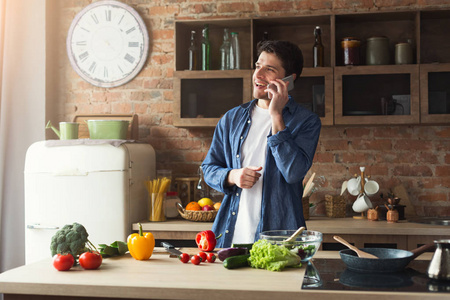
[{"x": 193, "y": 206}]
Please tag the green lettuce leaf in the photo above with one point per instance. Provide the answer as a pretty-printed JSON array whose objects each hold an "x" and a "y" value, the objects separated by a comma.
[{"x": 265, "y": 255}]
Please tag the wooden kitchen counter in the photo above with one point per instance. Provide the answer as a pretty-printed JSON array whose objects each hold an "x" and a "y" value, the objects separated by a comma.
[
  {"x": 163, "y": 277},
  {"x": 362, "y": 233}
]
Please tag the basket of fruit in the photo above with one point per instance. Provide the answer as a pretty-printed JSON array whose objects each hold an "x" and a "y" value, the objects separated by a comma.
[{"x": 197, "y": 212}]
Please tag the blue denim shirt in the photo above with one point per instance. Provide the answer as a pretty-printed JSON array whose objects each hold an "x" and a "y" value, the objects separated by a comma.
[{"x": 289, "y": 156}]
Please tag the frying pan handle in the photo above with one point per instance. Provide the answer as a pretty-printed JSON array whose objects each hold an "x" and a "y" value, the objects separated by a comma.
[{"x": 418, "y": 251}]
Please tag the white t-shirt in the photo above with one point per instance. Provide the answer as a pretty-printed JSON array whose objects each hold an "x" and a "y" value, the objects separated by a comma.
[{"x": 254, "y": 152}]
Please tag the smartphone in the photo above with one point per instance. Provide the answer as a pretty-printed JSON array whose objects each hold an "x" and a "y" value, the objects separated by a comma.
[{"x": 290, "y": 87}]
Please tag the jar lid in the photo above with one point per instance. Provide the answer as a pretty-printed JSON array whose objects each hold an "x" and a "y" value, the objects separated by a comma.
[
  {"x": 350, "y": 39},
  {"x": 372, "y": 38}
]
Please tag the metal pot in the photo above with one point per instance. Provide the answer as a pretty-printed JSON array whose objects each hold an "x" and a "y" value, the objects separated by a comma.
[
  {"x": 439, "y": 267},
  {"x": 108, "y": 129}
]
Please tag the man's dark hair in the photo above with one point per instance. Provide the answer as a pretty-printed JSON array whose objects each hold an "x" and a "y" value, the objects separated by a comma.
[{"x": 290, "y": 55}]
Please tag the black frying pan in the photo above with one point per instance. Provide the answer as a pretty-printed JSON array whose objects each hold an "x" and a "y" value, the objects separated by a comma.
[{"x": 389, "y": 260}]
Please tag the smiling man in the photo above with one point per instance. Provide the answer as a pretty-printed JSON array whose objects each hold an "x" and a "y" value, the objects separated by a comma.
[{"x": 261, "y": 151}]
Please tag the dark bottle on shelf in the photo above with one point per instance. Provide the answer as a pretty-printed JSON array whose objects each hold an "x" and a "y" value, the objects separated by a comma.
[
  {"x": 318, "y": 51},
  {"x": 265, "y": 36},
  {"x": 205, "y": 49},
  {"x": 193, "y": 53}
]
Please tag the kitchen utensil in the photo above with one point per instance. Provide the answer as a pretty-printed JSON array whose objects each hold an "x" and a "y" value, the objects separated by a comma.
[
  {"x": 344, "y": 187},
  {"x": 307, "y": 243},
  {"x": 67, "y": 130},
  {"x": 358, "y": 252},
  {"x": 392, "y": 215},
  {"x": 362, "y": 203},
  {"x": 171, "y": 249},
  {"x": 439, "y": 267},
  {"x": 354, "y": 186},
  {"x": 371, "y": 187},
  {"x": 295, "y": 234},
  {"x": 108, "y": 129},
  {"x": 308, "y": 186},
  {"x": 389, "y": 260}
]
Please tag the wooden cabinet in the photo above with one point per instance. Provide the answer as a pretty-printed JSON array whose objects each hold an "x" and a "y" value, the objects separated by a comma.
[{"x": 341, "y": 95}]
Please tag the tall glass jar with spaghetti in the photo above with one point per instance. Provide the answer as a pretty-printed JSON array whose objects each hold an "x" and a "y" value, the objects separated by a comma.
[{"x": 157, "y": 189}]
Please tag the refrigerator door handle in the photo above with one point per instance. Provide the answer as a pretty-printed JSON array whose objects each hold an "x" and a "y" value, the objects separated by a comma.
[{"x": 39, "y": 226}]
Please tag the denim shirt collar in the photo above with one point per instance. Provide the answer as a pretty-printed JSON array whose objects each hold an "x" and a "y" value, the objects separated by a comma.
[{"x": 290, "y": 105}]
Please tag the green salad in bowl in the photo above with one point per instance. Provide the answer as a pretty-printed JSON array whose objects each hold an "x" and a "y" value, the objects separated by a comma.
[{"x": 305, "y": 245}]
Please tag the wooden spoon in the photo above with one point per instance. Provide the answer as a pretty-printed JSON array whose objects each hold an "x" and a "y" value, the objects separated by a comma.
[
  {"x": 294, "y": 235},
  {"x": 359, "y": 252}
]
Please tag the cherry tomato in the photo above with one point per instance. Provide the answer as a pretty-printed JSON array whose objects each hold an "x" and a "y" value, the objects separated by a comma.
[
  {"x": 202, "y": 256},
  {"x": 63, "y": 262},
  {"x": 211, "y": 257},
  {"x": 90, "y": 260},
  {"x": 184, "y": 257},
  {"x": 196, "y": 259}
]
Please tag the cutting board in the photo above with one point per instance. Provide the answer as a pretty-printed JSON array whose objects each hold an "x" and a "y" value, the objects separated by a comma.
[{"x": 133, "y": 127}]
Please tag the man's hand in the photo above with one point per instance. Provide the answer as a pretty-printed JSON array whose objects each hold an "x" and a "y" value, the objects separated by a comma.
[{"x": 244, "y": 178}]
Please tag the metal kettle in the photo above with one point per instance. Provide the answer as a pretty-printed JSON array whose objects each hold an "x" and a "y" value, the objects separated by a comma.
[{"x": 439, "y": 267}]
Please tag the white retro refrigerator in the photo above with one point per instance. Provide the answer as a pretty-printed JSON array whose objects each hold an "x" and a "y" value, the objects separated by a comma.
[{"x": 100, "y": 186}]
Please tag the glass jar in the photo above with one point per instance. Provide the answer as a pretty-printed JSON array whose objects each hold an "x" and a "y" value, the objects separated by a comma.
[
  {"x": 170, "y": 205},
  {"x": 350, "y": 48}
]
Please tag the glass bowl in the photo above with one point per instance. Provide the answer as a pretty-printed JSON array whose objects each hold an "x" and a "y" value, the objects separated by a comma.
[{"x": 305, "y": 245}]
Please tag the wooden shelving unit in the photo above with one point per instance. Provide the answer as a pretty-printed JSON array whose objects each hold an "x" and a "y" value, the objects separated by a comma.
[{"x": 340, "y": 95}]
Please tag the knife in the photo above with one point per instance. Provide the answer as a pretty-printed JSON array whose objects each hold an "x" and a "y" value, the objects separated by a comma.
[{"x": 171, "y": 249}]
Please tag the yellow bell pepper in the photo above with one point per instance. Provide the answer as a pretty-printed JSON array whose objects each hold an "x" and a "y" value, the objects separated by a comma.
[{"x": 141, "y": 244}]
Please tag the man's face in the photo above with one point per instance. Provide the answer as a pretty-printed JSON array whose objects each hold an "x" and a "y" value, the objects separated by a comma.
[{"x": 267, "y": 68}]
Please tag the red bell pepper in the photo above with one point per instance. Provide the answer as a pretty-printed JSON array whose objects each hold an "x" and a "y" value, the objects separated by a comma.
[{"x": 206, "y": 240}]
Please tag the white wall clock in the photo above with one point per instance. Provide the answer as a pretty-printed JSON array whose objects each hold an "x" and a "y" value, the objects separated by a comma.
[{"x": 107, "y": 43}]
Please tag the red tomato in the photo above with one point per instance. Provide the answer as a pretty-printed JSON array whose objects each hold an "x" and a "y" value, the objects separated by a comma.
[
  {"x": 63, "y": 262},
  {"x": 202, "y": 256},
  {"x": 184, "y": 257},
  {"x": 90, "y": 260},
  {"x": 195, "y": 259},
  {"x": 211, "y": 257}
]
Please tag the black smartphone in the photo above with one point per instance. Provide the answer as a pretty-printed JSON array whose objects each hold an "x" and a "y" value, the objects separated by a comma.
[{"x": 289, "y": 79}]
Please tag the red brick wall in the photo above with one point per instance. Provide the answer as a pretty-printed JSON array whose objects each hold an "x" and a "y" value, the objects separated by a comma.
[{"x": 416, "y": 156}]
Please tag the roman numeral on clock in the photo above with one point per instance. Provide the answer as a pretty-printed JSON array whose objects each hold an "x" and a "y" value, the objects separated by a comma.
[
  {"x": 129, "y": 58},
  {"x": 133, "y": 44},
  {"x": 131, "y": 30},
  {"x": 94, "y": 17},
  {"x": 105, "y": 72},
  {"x": 83, "y": 56},
  {"x": 92, "y": 67},
  {"x": 108, "y": 15}
]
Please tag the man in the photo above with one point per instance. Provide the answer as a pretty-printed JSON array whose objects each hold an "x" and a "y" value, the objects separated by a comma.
[{"x": 261, "y": 151}]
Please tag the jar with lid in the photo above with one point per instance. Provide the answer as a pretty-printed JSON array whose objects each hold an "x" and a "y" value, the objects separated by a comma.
[
  {"x": 377, "y": 52},
  {"x": 403, "y": 54},
  {"x": 170, "y": 204},
  {"x": 350, "y": 48}
]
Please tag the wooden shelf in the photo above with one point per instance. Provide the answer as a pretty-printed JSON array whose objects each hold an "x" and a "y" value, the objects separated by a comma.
[
  {"x": 358, "y": 92},
  {"x": 435, "y": 93},
  {"x": 352, "y": 94}
]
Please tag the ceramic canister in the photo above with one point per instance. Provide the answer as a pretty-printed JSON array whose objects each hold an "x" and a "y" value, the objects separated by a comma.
[
  {"x": 403, "y": 54},
  {"x": 377, "y": 52}
]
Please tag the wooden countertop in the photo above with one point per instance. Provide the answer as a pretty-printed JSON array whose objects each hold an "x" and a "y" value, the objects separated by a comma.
[
  {"x": 322, "y": 224},
  {"x": 163, "y": 277}
]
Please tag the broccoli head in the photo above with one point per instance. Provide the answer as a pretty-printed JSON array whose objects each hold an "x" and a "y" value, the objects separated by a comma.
[{"x": 70, "y": 239}]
